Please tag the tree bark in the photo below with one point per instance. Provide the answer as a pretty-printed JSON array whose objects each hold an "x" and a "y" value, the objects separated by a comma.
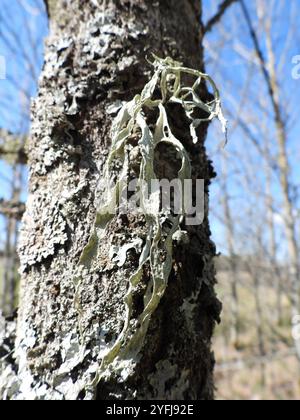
[{"x": 95, "y": 58}]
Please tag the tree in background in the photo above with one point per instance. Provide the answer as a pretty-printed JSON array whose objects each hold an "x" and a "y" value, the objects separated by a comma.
[{"x": 262, "y": 174}]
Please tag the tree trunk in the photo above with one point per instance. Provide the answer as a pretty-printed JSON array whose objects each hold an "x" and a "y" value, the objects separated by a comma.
[{"x": 95, "y": 58}]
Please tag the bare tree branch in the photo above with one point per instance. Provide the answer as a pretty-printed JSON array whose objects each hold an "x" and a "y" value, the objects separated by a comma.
[
  {"x": 12, "y": 209},
  {"x": 13, "y": 146},
  {"x": 47, "y": 7},
  {"x": 218, "y": 16},
  {"x": 262, "y": 60},
  {"x": 18, "y": 156}
]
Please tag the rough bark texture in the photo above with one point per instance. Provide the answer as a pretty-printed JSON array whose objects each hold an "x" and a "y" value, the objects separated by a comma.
[{"x": 95, "y": 58}]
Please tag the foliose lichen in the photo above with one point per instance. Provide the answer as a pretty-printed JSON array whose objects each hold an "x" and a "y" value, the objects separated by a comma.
[{"x": 163, "y": 227}]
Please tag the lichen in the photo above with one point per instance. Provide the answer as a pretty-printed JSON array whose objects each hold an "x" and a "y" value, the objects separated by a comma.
[
  {"x": 45, "y": 232},
  {"x": 163, "y": 227},
  {"x": 165, "y": 374}
]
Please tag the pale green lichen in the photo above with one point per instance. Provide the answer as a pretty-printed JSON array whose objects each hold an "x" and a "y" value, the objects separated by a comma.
[{"x": 168, "y": 78}]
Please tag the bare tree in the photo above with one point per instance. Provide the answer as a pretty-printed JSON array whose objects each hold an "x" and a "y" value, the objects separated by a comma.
[
  {"x": 263, "y": 192},
  {"x": 230, "y": 240},
  {"x": 270, "y": 75}
]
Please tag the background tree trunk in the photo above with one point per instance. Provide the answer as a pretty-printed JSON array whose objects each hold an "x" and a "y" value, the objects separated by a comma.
[
  {"x": 95, "y": 58},
  {"x": 10, "y": 276}
]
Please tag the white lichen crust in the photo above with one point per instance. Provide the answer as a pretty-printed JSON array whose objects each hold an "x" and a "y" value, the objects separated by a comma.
[{"x": 163, "y": 227}]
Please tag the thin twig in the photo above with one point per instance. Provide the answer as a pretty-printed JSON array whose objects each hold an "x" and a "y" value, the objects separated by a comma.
[{"x": 218, "y": 16}]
